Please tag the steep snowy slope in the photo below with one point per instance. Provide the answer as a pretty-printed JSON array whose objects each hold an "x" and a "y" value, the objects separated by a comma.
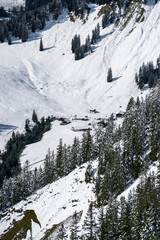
[
  {"x": 152, "y": 170},
  {"x": 55, "y": 204},
  {"x": 52, "y": 204},
  {"x": 52, "y": 82}
]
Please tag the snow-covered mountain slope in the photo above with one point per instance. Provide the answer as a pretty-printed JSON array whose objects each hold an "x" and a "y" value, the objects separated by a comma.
[
  {"x": 53, "y": 204},
  {"x": 56, "y": 204},
  {"x": 152, "y": 170},
  {"x": 52, "y": 82}
]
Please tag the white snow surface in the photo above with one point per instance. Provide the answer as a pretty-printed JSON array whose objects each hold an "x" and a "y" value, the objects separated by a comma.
[
  {"x": 53, "y": 83},
  {"x": 37, "y": 151}
]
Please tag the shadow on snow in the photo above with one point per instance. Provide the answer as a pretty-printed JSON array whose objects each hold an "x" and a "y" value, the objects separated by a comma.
[{"x": 4, "y": 127}]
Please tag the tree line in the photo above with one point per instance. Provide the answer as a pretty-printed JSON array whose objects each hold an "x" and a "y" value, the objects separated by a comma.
[
  {"x": 58, "y": 165},
  {"x": 36, "y": 12},
  {"x": 134, "y": 217},
  {"x": 34, "y": 16},
  {"x": 10, "y": 157},
  {"x": 19, "y": 25},
  {"x": 126, "y": 152},
  {"x": 3, "y": 13},
  {"x": 122, "y": 156},
  {"x": 121, "y": 152},
  {"x": 80, "y": 50},
  {"x": 148, "y": 74}
]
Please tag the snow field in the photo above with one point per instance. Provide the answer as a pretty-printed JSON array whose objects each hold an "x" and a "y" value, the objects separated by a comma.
[{"x": 53, "y": 83}]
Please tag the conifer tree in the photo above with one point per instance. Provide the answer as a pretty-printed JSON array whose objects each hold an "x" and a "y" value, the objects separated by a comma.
[
  {"x": 49, "y": 168},
  {"x": 2, "y": 35},
  {"x": 9, "y": 40},
  {"x": 87, "y": 147},
  {"x": 33, "y": 24},
  {"x": 41, "y": 45},
  {"x": 125, "y": 220},
  {"x": 93, "y": 39},
  {"x": 101, "y": 225},
  {"x": 66, "y": 156},
  {"x": 75, "y": 158},
  {"x": 79, "y": 53},
  {"x": 62, "y": 233},
  {"x": 136, "y": 78},
  {"x": 75, "y": 228},
  {"x": 90, "y": 226},
  {"x": 89, "y": 173},
  {"x": 97, "y": 31},
  {"x": 111, "y": 221},
  {"x": 158, "y": 67},
  {"x": 24, "y": 32},
  {"x": 34, "y": 117},
  {"x": 109, "y": 75},
  {"x": 87, "y": 44},
  {"x": 105, "y": 18},
  {"x": 76, "y": 43},
  {"x": 59, "y": 160},
  {"x": 27, "y": 128}
]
